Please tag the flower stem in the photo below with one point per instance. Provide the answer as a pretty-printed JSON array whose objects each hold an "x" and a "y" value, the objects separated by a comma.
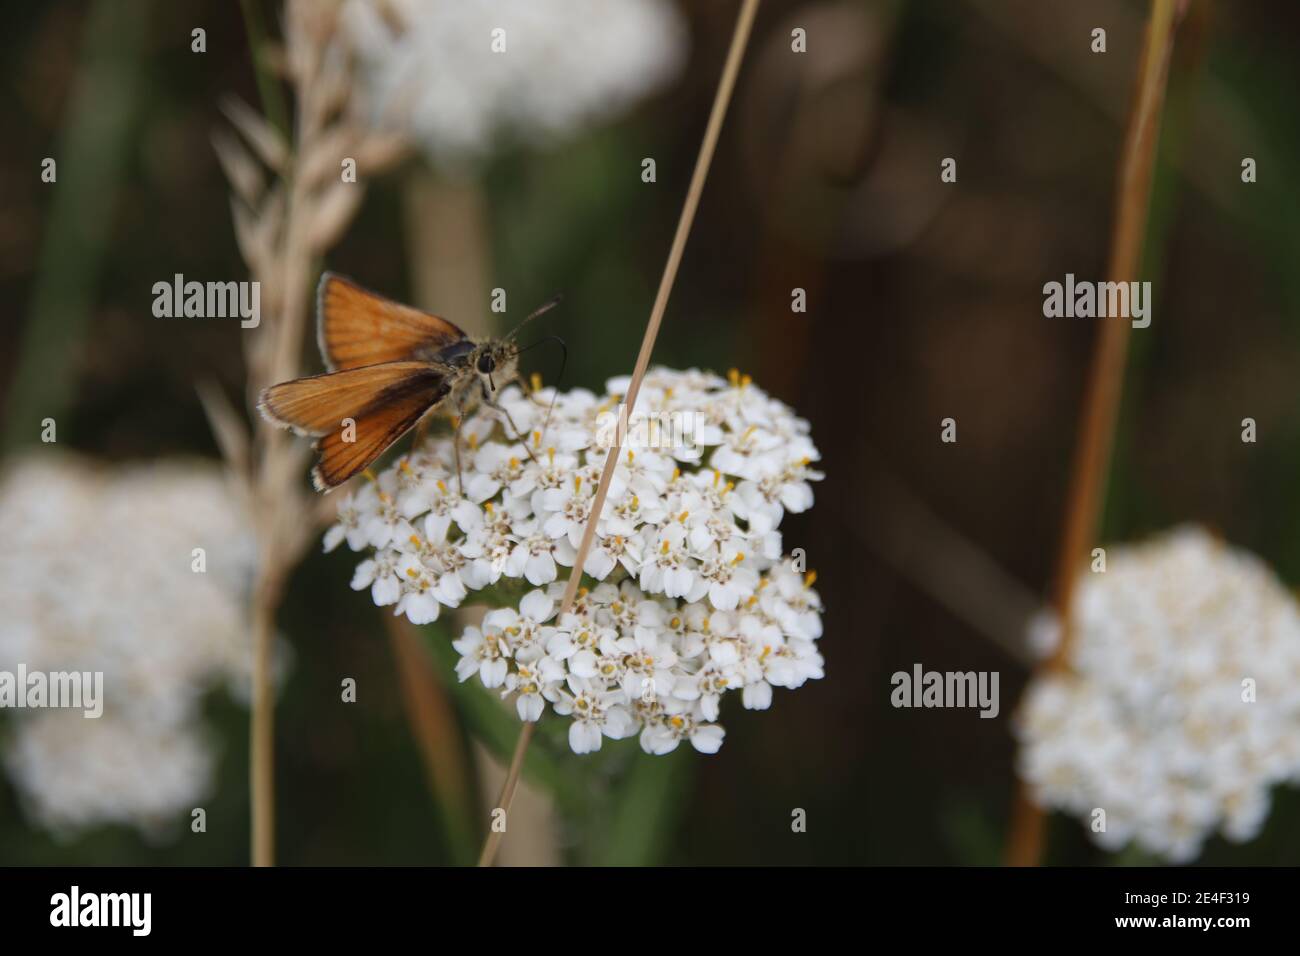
[
  {"x": 507, "y": 793},
  {"x": 739, "y": 39},
  {"x": 262, "y": 734},
  {"x": 1106, "y": 377}
]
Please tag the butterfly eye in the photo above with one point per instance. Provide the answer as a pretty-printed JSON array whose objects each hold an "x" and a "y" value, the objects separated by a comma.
[{"x": 486, "y": 364}]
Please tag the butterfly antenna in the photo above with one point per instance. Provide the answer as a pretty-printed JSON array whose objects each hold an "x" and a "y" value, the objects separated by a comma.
[
  {"x": 540, "y": 310},
  {"x": 564, "y": 360}
]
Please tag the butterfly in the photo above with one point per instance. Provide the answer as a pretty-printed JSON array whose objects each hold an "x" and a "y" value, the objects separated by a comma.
[{"x": 388, "y": 366}]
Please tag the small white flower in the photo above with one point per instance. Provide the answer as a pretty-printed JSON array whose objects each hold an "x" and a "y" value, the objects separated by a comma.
[
  {"x": 482, "y": 652},
  {"x": 347, "y": 527},
  {"x": 668, "y": 568},
  {"x": 648, "y": 664},
  {"x": 745, "y": 453},
  {"x": 418, "y": 601},
  {"x": 680, "y": 722},
  {"x": 792, "y": 602},
  {"x": 567, "y": 510},
  {"x": 550, "y": 470},
  {"x": 497, "y": 466},
  {"x": 488, "y": 542},
  {"x": 380, "y": 574},
  {"x": 386, "y": 523},
  {"x": 533, "y": 683},
  {"x": 534, "y": 553},
  {"x": 729, "y": 581},
  {"x": 707, "y": 686},
  {"x": 525, "y": 628},
  {"x": 595, "y": 713},
  {"x": 613, "y": 551}
]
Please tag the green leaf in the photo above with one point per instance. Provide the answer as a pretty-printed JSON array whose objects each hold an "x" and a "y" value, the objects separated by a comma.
[{"x": 646, "y": 805}]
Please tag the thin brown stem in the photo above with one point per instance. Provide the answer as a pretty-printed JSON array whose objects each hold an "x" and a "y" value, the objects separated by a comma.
[
  {"x": 262, "y": 733},
  {"x": 739, "y": 39},
  {"x": 273, "y": 492},
  {"x": 1106, "y": 377},
  {"x": 507, "y": 796}
]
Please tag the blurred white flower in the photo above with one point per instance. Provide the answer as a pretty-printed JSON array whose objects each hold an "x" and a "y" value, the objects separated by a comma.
[
  {"x": 689, "y": 599},
  {"x": 1181, "y": 706},
  {"x": 75, "y": 774},
  {"x": 440, "y": 72},
  {"x": 98, "y": 575}
]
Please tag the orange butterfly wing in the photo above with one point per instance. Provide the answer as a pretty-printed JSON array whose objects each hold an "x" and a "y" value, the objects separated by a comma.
[
  {"x": 355, "y": 413},
  {"x": 356, "y": 327},
  {"x": 374, "y": 432},
  {"x": 318, "y": 404}
]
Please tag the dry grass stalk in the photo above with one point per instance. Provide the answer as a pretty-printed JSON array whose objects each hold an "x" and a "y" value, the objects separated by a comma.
[
  {"x": 432, "y": 719},
  {"x": 739, "y": 39},
  {"x": 1106, "y": 376},
  {"x": 289, "y": 204}
]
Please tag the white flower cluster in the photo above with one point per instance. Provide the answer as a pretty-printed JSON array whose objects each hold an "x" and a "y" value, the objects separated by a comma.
[
  {"x": 98, "y": 575},
  {"x": 1181, "y": 706},
  {"x": 442, "y": 73},
  {"x": 691, "y": 597}
]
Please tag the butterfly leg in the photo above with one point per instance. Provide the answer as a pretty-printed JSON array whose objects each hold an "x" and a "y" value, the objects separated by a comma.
[
  {"x": 455, "y": 444},
  {"x": 519, "y": 436},
  {"x": 421, "y": 429},
  {"x": 532, "y": 395}
]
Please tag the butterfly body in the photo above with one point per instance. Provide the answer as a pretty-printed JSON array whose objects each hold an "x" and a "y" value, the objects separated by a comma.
[{"x": 388, "y": 365}]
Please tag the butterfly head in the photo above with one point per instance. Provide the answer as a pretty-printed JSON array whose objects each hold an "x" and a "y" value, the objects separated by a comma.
[{"x": 495, "y": 364}]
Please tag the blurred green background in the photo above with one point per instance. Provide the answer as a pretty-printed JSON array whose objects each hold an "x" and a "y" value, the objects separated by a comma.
[{"x": 924, "y": 301}]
